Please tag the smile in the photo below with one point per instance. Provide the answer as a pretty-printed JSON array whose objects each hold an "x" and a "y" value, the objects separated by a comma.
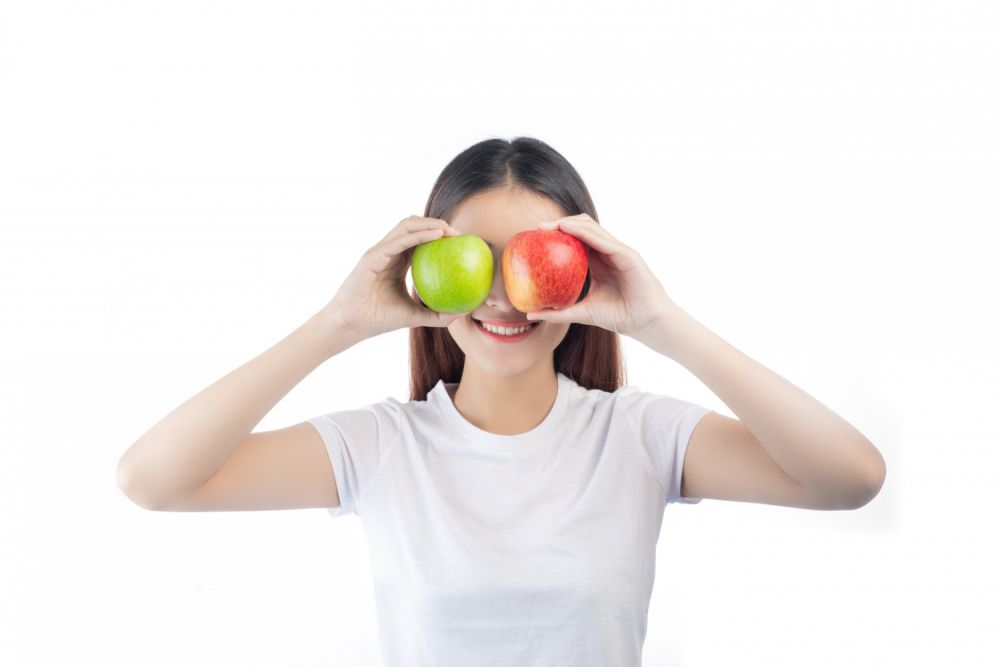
[{"x": 506, "y": 334}]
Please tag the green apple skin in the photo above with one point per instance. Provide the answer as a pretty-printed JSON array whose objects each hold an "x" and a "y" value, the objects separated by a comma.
[{"x": 453, "y": 274}]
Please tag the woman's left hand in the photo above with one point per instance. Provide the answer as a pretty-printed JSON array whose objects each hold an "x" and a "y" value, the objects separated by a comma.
[{"x": 624, "y": 295}]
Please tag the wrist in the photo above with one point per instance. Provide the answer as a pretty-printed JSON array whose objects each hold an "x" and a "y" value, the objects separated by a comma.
[
  {"x": 333, "y": 332},
  {"x": 663, "y": 333}
]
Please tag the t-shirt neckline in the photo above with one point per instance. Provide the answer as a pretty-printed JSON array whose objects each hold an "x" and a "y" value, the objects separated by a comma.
[{"x": 544, "y": 428}]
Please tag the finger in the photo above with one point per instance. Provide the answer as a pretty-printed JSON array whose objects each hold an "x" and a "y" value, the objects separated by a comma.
[
  {"x": 414, "y": 224},
  {"x": 430, "y": 318},
  {"x": 383, "y": 254},
  {"x": 401, "y": 227},
  {"x": 592, "y": 233},
  {"x": 574, "y": 313}
]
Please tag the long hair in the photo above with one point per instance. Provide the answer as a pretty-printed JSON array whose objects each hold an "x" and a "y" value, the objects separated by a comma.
[{"x": 589, "y": 355}]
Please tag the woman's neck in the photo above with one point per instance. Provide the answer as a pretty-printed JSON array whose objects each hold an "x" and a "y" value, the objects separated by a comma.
[{"x": 505, "y": 404}]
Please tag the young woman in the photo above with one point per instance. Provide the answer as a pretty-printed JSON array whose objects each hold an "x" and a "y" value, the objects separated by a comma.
[{"x": 513, "y": 504}]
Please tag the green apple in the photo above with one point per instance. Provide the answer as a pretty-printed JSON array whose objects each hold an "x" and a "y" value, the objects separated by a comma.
[{"x": 453, "y": 274}]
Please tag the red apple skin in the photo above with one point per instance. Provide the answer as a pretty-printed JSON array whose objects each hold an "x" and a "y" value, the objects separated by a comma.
[{"x": 543, "y": 268}]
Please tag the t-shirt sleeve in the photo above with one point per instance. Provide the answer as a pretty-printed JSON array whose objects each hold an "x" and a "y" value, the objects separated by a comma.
[
  {"x": 665, "y": 425},
  {"x": 357, "y": 443}
]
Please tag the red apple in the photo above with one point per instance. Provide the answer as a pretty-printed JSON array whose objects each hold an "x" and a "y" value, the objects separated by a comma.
[{"x": 543, "y": 268}]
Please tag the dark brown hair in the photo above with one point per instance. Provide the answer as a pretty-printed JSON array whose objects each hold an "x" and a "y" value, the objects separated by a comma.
[{"x": 589, "y": 355}]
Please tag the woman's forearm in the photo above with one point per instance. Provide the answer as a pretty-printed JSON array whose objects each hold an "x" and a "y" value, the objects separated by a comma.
[
  {"x": 810, "y": 442},
  {"x": 190, "y": 444}
]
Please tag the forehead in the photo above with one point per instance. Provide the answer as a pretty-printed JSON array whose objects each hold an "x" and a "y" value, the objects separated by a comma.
[{"x": 496, "y": 215}]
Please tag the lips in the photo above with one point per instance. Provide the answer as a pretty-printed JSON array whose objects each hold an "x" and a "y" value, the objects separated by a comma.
[
  {"x": 506, "y": 323},
  {"x": 511, "y": 324}
]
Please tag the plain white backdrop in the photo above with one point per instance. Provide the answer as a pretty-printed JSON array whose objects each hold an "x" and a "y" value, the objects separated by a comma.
[{"x": 182, "y": 184}]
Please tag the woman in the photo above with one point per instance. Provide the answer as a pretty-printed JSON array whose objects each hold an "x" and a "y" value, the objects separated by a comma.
[{"x": 513, "y": 504}]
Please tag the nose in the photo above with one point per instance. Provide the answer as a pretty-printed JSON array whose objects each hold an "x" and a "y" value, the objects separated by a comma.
[{"x": 497, "y": 298}]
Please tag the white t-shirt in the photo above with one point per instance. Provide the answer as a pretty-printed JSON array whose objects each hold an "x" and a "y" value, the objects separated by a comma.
[{"x": 536, "y": 549}]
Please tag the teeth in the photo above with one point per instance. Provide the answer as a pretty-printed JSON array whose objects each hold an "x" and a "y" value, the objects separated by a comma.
[{"x": 504, "y": 331}]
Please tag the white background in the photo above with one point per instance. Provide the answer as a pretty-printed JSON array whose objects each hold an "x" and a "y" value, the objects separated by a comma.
[{"x": 184, "y": 183}]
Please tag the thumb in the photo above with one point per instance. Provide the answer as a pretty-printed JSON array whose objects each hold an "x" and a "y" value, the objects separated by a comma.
[
  {"x": 572, "y": 313},
  {"x": 430, "y": 318}
]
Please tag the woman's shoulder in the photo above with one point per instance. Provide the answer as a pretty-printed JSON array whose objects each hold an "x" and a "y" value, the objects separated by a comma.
[
  {"x": 628, "y": 397},
  {"x": 582, "y": 392},
  {"x": 584, "y": 400}
]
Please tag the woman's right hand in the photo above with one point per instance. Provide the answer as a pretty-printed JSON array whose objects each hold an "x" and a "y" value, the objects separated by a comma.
[{"x": 373, "y": 299}]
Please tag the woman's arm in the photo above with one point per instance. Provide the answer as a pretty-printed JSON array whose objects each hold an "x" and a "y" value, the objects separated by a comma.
[
  {"x": 785, "y": 447},
  {"x": 190, "y": 444},
  {"x": 833, "y": 464}
]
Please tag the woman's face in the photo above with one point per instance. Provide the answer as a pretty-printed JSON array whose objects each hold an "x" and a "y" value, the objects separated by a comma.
[{"x": 495, "y": 216}]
